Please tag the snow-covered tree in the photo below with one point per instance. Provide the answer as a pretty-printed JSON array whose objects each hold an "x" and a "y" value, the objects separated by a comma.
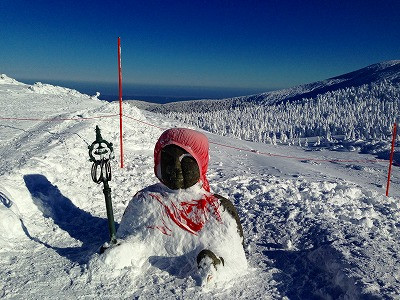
[{"x": 365, "y": 112}]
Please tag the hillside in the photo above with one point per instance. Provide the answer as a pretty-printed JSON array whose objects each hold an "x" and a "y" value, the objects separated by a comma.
[
  {"x": 316, "y": 223},
  {"x": 389, "y": 71},
  {"x": 386, "y": 71},
  {"x": 352, "y": 111}
]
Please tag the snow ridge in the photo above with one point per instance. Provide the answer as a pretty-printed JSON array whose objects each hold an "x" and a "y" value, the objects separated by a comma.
[
  {"x": 49, "y": 89},
  {"x": 4, "y": 79}
]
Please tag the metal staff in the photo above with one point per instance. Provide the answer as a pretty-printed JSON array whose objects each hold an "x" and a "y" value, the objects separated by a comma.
[{"x": 101, "y": 152}]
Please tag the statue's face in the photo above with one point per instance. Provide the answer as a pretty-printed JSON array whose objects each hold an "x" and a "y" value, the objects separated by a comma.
[{"x": 179, "y": 170}]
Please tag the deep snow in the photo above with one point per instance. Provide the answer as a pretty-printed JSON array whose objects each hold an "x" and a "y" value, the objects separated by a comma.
[{"x": 313, "y": 229}]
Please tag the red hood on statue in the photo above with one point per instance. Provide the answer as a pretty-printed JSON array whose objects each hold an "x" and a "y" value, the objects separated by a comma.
[{"x": 194, "y": 142}]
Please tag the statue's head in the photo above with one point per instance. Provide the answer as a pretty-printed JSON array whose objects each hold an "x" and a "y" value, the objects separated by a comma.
[{"x": 181, "y": 158}]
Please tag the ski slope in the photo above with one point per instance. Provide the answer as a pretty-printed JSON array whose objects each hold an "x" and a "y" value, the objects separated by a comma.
[{"x": 316, "y": 223}]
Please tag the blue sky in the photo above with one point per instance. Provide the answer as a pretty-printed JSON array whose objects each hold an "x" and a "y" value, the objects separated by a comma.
[{"x": 231, "y": 44}]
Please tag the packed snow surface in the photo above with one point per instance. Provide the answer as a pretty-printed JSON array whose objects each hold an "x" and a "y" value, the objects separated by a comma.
[{"x": 317, "y": 224}]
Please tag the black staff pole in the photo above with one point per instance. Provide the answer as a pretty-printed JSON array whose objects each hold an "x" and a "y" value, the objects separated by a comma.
[{"x": 101, "y": 152}]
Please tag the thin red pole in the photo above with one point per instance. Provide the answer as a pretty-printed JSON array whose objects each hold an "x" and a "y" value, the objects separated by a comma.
[
  {"x": 391, "y": 159},
  {"x": 120, "y": 102}
]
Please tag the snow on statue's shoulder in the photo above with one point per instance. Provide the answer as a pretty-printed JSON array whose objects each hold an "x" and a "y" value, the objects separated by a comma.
[
  {"x": 150, "y": 230},
  {"x": 140, "y": 212}
]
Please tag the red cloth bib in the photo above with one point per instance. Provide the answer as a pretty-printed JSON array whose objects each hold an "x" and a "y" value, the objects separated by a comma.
[{"x": 189, "y": 216}]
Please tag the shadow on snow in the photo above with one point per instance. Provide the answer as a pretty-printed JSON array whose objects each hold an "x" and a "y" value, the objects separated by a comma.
[
  {"x": 178, "y": 266},
  {"x": 314, "y": 272},
  {"x": 91, "y": 231}
]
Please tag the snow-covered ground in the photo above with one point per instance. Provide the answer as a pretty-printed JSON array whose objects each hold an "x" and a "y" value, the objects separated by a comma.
[{"x": 317, "y": 224}]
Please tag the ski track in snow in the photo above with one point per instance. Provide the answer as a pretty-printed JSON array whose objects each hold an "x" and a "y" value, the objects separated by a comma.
[{"x": 312, "y": 230}]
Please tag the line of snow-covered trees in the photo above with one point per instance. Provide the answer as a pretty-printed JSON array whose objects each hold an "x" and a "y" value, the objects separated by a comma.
[{"x": 366, "y": 112}]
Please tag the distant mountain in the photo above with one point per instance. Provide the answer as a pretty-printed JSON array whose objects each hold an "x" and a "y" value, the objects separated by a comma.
[
  {"x": 358, "y": 106},
  {"x": 389, "y": 71}
]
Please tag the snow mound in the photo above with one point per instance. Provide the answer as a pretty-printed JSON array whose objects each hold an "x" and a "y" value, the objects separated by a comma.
[
  {"x": 4, "y": 79},
  {"x": 43, "y": 88},
  {"x": 175, "y": 251},
  {"x": 342, "y": 232},
  {"x": 10, "y": 220}
]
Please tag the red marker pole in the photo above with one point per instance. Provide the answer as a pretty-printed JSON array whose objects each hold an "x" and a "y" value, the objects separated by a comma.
[
  {"x": 391, "y": 158},
  {"x": 120, "y": 102}
]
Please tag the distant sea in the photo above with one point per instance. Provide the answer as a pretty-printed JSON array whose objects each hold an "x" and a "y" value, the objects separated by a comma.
[{"x": 150, "y": 93}]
